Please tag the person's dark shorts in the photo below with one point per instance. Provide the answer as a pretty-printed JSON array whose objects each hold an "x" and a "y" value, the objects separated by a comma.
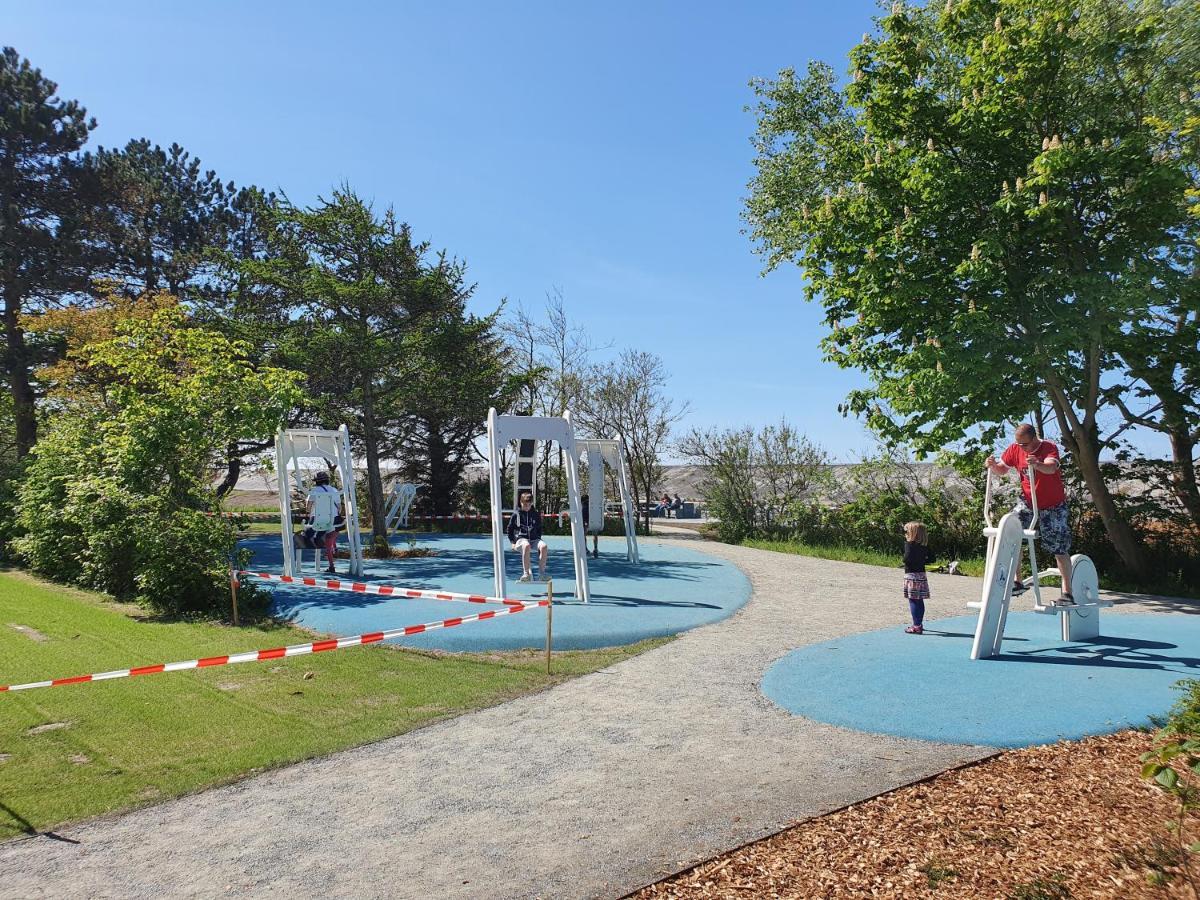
[{"x": 1054, "y": 532}]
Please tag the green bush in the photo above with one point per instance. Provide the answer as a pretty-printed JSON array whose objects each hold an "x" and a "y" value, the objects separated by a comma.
[
  {"x": 886, "y": 492},
  {"x": 84, "y": 526},
  {"x": 1172, "y": 548},
  {"x": 1172, "y": 766},
  {"x": 113, "y": 490}
]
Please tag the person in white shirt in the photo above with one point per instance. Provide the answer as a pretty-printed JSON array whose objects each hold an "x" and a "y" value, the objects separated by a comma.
[{"x": 323, "y": 506}]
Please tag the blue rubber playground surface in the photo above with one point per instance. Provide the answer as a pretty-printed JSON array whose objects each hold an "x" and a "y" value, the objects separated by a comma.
[
  {"x": 1037, "y": 691},
  {"x": 672, "y": 590}
]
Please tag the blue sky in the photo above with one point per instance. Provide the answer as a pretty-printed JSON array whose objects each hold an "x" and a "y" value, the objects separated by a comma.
[{"x": 602, "y": 150}]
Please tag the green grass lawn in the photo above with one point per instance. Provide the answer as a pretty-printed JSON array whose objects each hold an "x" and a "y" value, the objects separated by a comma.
[
  {"x": 76, "y": 751},
  {"x": 261, "y": 528}
]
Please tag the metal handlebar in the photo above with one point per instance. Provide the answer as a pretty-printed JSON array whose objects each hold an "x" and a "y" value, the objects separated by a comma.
[
  {"x": 987, "y": 498},
  {"x": 1033, "y": 497}
]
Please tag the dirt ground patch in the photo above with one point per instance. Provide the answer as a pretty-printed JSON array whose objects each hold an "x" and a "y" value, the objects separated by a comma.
[
  {"x": 252, "y": 500},
  {"x": 1068, "y": 820}
]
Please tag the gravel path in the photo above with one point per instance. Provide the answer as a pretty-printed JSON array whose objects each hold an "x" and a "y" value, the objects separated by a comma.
[{"x": 591, "y": 789}]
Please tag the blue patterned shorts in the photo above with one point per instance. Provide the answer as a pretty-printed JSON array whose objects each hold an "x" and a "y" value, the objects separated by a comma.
[{"x": 1054, "y": 532}]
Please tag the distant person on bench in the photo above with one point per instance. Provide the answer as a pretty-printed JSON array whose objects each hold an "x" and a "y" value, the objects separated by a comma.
[
  {"x": 524, "y": 533},
  {"x": 677, "y": 506},
  {"x": 324, "y": 506},
  {"x": 1054, "y": 532}
]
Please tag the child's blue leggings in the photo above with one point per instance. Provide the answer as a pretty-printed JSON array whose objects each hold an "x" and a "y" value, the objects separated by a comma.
[{"x": 917, "y": 608}]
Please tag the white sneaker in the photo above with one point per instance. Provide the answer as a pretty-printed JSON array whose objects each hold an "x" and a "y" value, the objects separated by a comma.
[{"x": 525, "y": 579}]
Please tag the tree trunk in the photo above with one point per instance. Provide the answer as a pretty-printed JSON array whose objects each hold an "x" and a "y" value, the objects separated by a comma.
[
  {"x": 1174, "y": 422},
  {"x": 1183, "y": 478},
  {"x": 233, "y": 470},
  {"x": 16, "y": 364},
  {"x": 1083, "y": 446},
  {"x": 441, "y": 481},
  {"x": 379, "y": 541}
]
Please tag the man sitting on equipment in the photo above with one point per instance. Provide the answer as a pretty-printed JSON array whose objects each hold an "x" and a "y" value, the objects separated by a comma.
[
  {"x": 1053, "y": 529},
  {"x": 324, "y": 505},
  {"x": 525, "y": 532}
]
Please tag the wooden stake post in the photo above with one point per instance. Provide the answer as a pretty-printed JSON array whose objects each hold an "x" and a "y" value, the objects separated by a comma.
[
  {"x": 549, "y": 619},
  {"x": 233, "y": 589}
]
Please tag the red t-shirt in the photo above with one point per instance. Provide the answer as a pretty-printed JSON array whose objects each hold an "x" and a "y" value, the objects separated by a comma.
[{"x": 1050, "y": 490}]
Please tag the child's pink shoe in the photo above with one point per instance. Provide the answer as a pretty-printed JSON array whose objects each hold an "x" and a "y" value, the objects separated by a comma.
[{"x": 914, "y": 629}]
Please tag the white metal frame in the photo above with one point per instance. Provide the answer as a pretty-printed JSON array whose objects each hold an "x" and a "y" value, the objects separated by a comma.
[
  {"x": 400, "y": 501},
  {"x": 501, "y": 430},
  {"x": 600, "y": 453},
  {"x": 1078, "y": 622},
  {"x": 295, "y": 444}
]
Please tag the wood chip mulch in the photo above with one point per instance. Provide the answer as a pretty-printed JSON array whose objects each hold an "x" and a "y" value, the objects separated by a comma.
[{"x": 1069, "y": 820}]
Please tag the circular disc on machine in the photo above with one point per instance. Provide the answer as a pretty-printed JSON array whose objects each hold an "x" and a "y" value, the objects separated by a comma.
[{"x": 1085, "y": 583}]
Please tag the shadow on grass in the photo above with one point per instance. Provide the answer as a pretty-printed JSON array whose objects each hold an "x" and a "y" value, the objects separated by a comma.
[{"x": 26, "y": 827}]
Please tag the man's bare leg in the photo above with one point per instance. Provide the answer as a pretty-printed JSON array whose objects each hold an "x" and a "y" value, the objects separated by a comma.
[
  {"x": 1064, "y": 568},
  {"x": 525, "y": 560},
  {"x": 542, "y": 562}
]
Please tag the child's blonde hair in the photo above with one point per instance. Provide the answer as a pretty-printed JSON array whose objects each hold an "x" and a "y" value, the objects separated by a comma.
[{"x": 915, "y": 532}]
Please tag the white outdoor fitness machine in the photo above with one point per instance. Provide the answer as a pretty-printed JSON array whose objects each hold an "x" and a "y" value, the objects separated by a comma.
[
  {"x": 601, "y": 453},
  {"x": 399, "y": 502},
  {"x": 527, "y": 430},
  {"x": 1080, "y": 621},
  {"x": 333, "y": 447}
]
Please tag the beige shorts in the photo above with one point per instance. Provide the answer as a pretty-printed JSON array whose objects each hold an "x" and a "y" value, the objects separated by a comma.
[{"x": 524, "y": 542}]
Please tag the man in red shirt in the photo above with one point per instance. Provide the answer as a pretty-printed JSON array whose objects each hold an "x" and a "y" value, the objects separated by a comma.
[{"x": 1054, "y": 532}]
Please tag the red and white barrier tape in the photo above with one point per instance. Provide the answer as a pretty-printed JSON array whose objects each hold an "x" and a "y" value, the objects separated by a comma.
[
  {"x": 279, "y": 652},
  {"x": 471, "y": 517},
  {"x": 454, "y": 518},
  {"x": 384, "y": 590}
]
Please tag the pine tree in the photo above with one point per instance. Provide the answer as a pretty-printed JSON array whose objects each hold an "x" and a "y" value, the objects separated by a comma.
[{"x": 41, "y": 254}]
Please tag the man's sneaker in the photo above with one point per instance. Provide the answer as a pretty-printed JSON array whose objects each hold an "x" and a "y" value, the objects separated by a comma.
[
  {"x": 1065, "y": 600},
  {"x": 1019, "y": 588},
  {"x": 525, "y": 579}
]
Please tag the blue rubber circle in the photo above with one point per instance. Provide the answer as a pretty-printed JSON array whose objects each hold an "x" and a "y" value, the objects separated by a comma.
[
  {"x": 672, "y": 589},
  {"x": 1039, "y": 690}
]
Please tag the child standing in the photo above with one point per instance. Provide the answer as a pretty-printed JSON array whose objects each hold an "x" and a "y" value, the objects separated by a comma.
[{"x": 916, "y": 583}]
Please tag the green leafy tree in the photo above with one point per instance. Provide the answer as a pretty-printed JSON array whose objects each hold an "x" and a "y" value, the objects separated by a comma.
[
  {"x": 116, "y": 488},
  {"x": 968, "y": 211},
  {"x": 554, "y": 357},
  {"x": 758, "y": 481},
  {"x": 626, "y": 399},
  {"x": 730, "y": 491},
  {"x": 157, "y": 216},
  {"x": 357, "y": 286},
  {"x": 41, "y": 254},
  {"x": 242, "y": 307},
  {"x": 460, "y": 368}
]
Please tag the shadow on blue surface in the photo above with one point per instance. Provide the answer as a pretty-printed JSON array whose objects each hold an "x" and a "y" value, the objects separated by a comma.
[
  {"x": 672, "y": 590},
  {"x": 1038, "y": 690}
]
